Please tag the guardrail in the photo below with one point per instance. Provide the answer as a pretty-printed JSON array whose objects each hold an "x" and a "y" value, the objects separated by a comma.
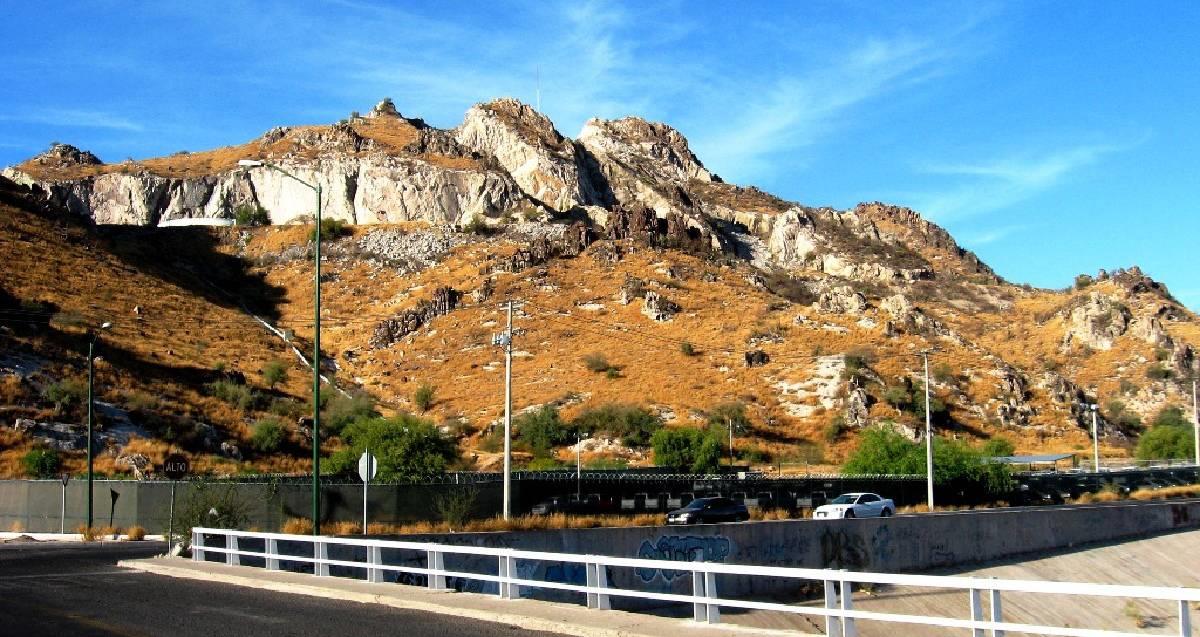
[{"x": 837, "y": 605}]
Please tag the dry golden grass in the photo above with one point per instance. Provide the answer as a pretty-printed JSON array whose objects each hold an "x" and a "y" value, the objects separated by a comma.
[
  {"x": 16, "y": 527},
  {"x": 135, "y": 533},
  {"x": 301, "y": 526}
]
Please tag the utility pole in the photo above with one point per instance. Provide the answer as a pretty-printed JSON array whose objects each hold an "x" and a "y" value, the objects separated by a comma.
[
  {"x": 928, "y": 438},
  {"x": 1095, "y": 439},
  {"x": 316, "y": 430},
  {"x": 505, "y": 340},
  {"x": 578, "y": 470},
  {"x": 729, "y": 422},
  {"x": 1195, "y": 421},
  {"x": 93, "y": 336}
]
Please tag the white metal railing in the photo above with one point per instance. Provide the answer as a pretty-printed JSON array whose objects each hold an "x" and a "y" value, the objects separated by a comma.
[{"x": 837, "y": 609}]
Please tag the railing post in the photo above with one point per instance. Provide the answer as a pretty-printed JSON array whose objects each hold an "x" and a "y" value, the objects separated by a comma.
[
  {"x": 597, "y": 577},
  {"x": 272, "y": 546},
  {"x": 1185, "y": 619},
  {"x": 833, "y": 623},
  {"x": 847, "y": 602},
  {"x": 231, "y": 543},
  {"x": 435, "y": 561},
  {"x": 197, "y": 546},
  {"x": 710, "y": 591},
  {"x": 997, "y": 611},
  {"x": 375, "y": 556},
  {"x": 699, "y": 609},
  {"x": 514, "y": 591},
  {"x": 320, "y": 553},
  {"x": 502, "y": 572},
  {"x": 976, "y": 603}
]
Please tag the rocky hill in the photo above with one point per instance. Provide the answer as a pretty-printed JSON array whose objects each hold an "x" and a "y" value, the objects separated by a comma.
[{"x": 697, "y": 293}]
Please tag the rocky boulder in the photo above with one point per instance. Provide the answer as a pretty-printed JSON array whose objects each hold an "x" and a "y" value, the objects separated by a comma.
[
  {"x": 841, "y": 300},
  {"x": 1096, "y": 322}
]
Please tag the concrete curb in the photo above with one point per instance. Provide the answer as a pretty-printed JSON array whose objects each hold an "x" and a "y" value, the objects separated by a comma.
[{"x": 563, "y": 619}]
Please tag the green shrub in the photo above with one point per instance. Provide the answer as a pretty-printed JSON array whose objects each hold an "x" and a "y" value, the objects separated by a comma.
[
  {"x": 274, "y": 372},
  {"x": 1159, "y": 373},
  {"x": 251, "y": 215},
  {"x": 236, "y": 395},
  {"x": 268, "y": 436},
  {"x": 899, "y": 397},
  {"x": 1165, "y": 441},
  {"x": 339, "y": 410},
  {"x": 612, "y": 373},
  {"x": 423, "y": 398},
  {"x": 687, "y": 349},
  {"x": 331, "y": 229},
  {"x": 998, "y": 447},
  {"x": 834, "y": 429},
  {"x": 541, "y": 430},
  {"x": 455, "y": 505},
  {"x": 66, "y": 394},
  {"x": 1082, "y": 281},
  {"x": 41, "y": 463},
  {"x": 211, "y": 505},
  {"x": 729, "y": 414},
  {"x": 687, "y": 449},
  {"x": 596, "y": 362},
  {"x": 477, "y": 226},
  {"x": 544, "y": 463},
  {"x": 633, "y": 425},
  {"x": 286, "y": 408},
  {"x": 408, "y": 447},
  {"x": 943, "y": 373},
  {"x": 601, "y": 464},
  {"x": 883, "y": 450}
]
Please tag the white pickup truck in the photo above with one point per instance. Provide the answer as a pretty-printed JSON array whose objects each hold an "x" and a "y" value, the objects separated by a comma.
[{"x": 856, "y": 505}]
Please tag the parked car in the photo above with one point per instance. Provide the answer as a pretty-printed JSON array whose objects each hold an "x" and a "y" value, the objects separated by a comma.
[
  {"x": 856, "y": 505},
  {"x": 707, "y": 510}
]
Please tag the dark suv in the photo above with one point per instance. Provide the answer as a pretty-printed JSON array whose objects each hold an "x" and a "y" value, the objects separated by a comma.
[{"x": 706, "y": 510}]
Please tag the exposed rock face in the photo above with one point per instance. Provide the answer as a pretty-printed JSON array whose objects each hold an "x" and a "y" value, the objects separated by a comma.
[
  {"x": 658, "y": 307},
  {"x": 857, "y": 407},
  {"x": 387, "y": 332},
  {"x": 64, "y": 155},
  {"x": 842, "y": 300},
  {"x": 1096, "y": 323},
  {"x": 542, "y": 162}
]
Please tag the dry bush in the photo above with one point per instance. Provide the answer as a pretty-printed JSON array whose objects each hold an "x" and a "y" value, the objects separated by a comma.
[
  {"x": 301, "y": 526},
  {"x": 296, "y": 526},
  {"x": 1166, "y": 493},
  {"x": 135, "y": 533},
  {"x": 16, "y": 527}
]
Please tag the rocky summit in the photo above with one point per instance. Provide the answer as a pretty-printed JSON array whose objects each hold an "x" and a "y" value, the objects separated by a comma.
[{"x": 646, "y": 280}]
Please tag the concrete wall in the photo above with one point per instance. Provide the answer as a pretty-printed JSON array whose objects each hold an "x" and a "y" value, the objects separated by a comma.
[{"x": 897, "y": 544}]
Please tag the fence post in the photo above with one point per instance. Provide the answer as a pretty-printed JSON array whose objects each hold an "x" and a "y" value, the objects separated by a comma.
[
  {"x": 976, "y": 604},
  {"x": 997, "y": 611},
  {"x": 375, "y": 556},
  {"x": 833, "y": 625},
  {"x": 231, "y": 543},
  {"x": 321, "y": 553},
  {"x": 597, "y": 577},
  {"x": 435, "y": 561},
  {"x": 197, "y": 546},
  {"x": 847, "y": 600},
  {"x": 514, "y": 591},
  {"x": 699, "y": 609},
  {"x": 272, "y": 546},
  {"x": 1185, "y": 619},
  {"x": 502, "y": 571},
  {"x": 710, "y": 591}
]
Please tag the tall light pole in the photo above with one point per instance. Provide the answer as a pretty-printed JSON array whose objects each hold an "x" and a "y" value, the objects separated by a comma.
[
  {"x": 316, "y": 364},
  {"x": 1095, "y": 438},
  {"x": 1195, "y": 421},
  {"x": 93, "y": 336},
  {"x": 505, "y": 340},
  {"x": 928, "y": 438},
  {"x": 578, "y": 467}
]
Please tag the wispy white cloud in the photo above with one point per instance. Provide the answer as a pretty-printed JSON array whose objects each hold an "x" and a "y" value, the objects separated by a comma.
[
  {"x": 76, "y": 118},
  {"x": 980, "y": 187},
  {"x": 984, "y": 237}
]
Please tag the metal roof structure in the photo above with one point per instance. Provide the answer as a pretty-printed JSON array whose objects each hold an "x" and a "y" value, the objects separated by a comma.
[{"x": 1044, "y": 459}]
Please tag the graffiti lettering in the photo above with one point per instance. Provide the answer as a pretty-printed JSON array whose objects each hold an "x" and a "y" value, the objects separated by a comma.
[{"x": 692, "y": 548}]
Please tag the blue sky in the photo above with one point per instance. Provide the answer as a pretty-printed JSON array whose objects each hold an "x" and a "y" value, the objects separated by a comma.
[{"x": 1051, "y": 138}]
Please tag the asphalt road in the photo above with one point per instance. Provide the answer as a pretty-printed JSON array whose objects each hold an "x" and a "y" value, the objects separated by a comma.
[{"x": 60, "y": 589}]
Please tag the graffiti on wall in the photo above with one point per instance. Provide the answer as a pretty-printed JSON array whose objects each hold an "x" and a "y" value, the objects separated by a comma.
[{"x": 680, "y": 548}]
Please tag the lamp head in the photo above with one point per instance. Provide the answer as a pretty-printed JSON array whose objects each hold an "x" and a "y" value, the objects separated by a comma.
[{"x": 106, "y": 325}]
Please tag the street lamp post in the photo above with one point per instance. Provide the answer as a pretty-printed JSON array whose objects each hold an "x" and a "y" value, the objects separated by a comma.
[
  {"x": 928, "y": 438},
  {"x": 316, "y": 364},
  {"x": 93, "y": 336},
  {"x": 1095, "y": 438}
]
